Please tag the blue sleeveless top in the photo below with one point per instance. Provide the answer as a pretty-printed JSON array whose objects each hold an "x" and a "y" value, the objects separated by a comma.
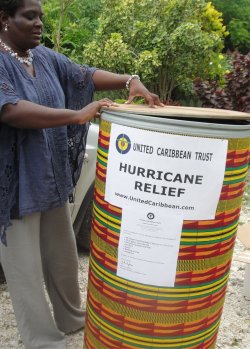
[{"x": 39, "y": 167}]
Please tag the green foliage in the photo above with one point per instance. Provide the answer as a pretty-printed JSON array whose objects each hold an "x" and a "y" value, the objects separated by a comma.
[
  {"x": 110, "y": 53},
  {"x": 236, "y": 16},
  {"x": 69, "y": 25},
  {"x": 236, "y": 93},
  {"x": 240, "y": 34},
  {"x": 212, "y": 20},
  {"x": 219, "y": 66},
  {"x": 166, "y": 42}
]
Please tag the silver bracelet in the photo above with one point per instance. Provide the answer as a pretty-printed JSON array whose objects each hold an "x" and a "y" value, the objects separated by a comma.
[{"x": 130, "y": 79}]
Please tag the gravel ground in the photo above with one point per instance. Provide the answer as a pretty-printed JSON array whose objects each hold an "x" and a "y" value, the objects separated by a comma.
[{"x": 235, "y": 323}]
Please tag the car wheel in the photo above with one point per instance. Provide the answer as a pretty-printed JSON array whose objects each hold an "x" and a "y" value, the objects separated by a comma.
[
  {"x": 84, "y": 235},
  {"x": 2, "y": 276}
]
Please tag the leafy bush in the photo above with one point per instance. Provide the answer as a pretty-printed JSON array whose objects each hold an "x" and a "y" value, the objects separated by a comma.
[
  {"x": 166, "y": 42},
  {"x": 236, "y": 93}
]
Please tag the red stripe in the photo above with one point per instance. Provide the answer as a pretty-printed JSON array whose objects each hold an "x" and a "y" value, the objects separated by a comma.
[
  {"x": 152, "y": 328},
  {"x": 183, "y": 306}
]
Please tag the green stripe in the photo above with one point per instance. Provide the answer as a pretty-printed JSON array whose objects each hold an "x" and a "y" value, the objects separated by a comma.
[
  {"x": 144, "y": 337},
  {"x": 102, "y": 149},
  {"x": 182, "y": 265},
  {"x": 237, "y": 168},
  {"x": 212, "y": 229},
  {"x": 164, "y": 317},
  {"x": 161, "y": 318},
  {"x": 204, "y": 263},
  {"x": 101, "y": 162},
  {"x": 107, "y": 225},
  {"x": 207, "y": 242},
  {"x": 234, "y": 181},
  {"x": 160, "y": 290},
  {"x": 99, "y": 345},
  {"x": 106, "y": 212}
]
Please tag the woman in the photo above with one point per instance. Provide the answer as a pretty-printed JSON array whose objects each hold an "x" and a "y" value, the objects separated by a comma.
[{"x": 45, "y": 103}]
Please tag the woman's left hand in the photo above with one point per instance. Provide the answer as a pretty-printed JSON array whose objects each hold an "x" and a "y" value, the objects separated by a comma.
[{"x": 137, "y": 89}]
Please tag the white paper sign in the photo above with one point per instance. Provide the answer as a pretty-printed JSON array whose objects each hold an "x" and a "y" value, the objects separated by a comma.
[
  {"x": 148, "y": 246},
  {"x": 182, "y": 174}
]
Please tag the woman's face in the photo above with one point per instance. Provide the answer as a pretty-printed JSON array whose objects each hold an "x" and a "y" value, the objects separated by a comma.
[{"x": 25, "y": 27}]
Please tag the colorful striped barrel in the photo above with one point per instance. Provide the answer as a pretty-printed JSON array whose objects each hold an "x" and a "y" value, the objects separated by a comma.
[{"x": 123, "y": 314}]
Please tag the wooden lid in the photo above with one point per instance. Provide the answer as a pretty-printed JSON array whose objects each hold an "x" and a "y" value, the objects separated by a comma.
[{"x": 179, "y": 112}]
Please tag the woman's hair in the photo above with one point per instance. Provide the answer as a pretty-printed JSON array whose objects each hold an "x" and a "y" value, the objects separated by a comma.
[{"x": 10, "y": 6}]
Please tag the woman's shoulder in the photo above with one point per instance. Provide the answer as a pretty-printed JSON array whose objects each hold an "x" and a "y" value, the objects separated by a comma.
[
  {"x": 8, "y": 65},
  {"x": 4, "y": 57},
  {"x": 44, "y": 51},
  {"x": 49, "y": 53}
]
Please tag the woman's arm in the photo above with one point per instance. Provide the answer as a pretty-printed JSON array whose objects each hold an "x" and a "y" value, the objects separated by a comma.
[
  {"x": 104, "y": 81},
  {"x": 26, "y": 114}
]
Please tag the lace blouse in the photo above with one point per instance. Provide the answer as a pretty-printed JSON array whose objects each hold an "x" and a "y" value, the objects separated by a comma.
[{"x": 39, "y": 167}]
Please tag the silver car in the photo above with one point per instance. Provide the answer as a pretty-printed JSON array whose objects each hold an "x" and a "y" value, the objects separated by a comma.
[{"x": 81, "y": 208}]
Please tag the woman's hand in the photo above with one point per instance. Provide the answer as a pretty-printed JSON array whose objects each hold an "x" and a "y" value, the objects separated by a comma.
[
  {"x": 107, "y": 81},
  {"x": 137, "y": 89},
  {"x": 92, "y": 110},
  {"x": 21, "y": 114}
]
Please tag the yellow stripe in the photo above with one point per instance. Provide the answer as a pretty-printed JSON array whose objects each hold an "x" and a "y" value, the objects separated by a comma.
[
  {"x": 100, "y": 158},
  {"x": 242, "y": 170},
  {"x": 107, "y": 221},
  {"x": 102, "y": 166},
  {"x": 126, "y": 336},
  {"x": 228, "y": 205},
  {"x": 100, "y": 185},
  {"x": 105, "y": 127},
  {"x": 158, "y": 318},
  {"x": 155, "y": 291},
  {"x": 213, "y": 238},
  {"x": 238, "y": 144},
  {"x": 205, "y": 263},
  {"x": 182, "y": 265},
  {"x": 235, "y": 225},
  {"x": 159, "y": 343},
  {"x": 233, "y": 178},
  {"x": 103, "y": 154},
  {"x": 231, "y": 229},
  {"x": 98, "y": 345},
  {"x": 101, "y": 213}
]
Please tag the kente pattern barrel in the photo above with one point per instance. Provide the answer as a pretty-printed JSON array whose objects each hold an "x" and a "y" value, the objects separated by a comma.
[{"x": 127, "y": 315}]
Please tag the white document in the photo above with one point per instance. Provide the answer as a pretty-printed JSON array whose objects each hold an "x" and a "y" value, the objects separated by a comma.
[
  {"x": 149, "y": 246},
  {"x": 182, "y": 174}
]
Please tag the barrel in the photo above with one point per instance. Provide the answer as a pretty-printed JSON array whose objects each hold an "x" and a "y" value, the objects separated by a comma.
[{"x": 160, "y": 261}]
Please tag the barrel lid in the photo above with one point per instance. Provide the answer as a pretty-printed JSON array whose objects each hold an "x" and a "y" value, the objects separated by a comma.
[{"x": 180, "y": 112}]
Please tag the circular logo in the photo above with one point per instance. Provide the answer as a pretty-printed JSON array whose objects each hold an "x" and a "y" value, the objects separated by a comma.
[
  {"x": 150, "y": 215},
  {"x": 123, "y": 144}
]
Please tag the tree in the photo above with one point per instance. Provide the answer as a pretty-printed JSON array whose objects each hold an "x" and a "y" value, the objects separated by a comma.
[
  {"x": 69, "y": 25},
  {"x": 167, "y": 42},
  {"x": 236, "y": 15}
]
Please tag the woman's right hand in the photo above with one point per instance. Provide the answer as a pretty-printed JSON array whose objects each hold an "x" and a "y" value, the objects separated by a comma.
[{"x": 92, "y": 110}]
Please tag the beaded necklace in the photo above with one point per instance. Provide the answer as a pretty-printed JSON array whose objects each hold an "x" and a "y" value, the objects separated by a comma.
[{"x": 26, "y": 60}]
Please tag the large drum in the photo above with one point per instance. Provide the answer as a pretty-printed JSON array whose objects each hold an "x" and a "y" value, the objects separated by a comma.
[{"x": 166, "y": 293}]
